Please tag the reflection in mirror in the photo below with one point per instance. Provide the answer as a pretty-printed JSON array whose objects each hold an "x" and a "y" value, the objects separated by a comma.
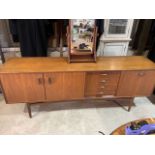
[{"x": 82, "y": 35}]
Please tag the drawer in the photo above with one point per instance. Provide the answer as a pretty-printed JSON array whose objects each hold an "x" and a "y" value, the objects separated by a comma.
[
  {"x": 107, "y": 74},
  {"x": 108, "y": 77},
  {"x": 106, "y": 87},
  {"x": 106, "y": 82},
  {"x": 106, "y": 90},
  {"x": 105, "y": 93}
]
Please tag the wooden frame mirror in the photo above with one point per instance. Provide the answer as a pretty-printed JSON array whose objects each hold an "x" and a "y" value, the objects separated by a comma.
[{"x": 81, "y": 36}]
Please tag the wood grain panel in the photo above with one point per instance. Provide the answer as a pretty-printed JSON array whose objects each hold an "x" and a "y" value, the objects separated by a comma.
[
  {"x": 23, "y": 87},
  {"x": 54, "y": 86},
  {"x": 49, "y": 64},
  {"x": 91, "y": 84},
  {"x": 136, "y": 83},
  {"x": 73, "y": 85},
  {"x": 101, "y": 82}
]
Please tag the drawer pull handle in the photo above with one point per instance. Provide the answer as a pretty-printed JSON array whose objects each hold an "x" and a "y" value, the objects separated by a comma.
[
  {"x": 103, "y": 81},
  {"x": 39, "y": 80},
  {"x": 100, "y": 93},
  {"x": 104, "y": 74},
  {"x": 102, "y": 87},
  {"x": 49, "y": 80},
  {"x": 141, "y": 74}
]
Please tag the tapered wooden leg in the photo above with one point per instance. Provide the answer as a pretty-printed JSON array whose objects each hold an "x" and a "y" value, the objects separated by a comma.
[
  {"x": 29, "y": 109},
  {"x": 130, "y": 105}
]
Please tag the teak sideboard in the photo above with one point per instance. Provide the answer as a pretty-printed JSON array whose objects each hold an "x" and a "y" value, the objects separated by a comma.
[{"x": 33, "y": 80}]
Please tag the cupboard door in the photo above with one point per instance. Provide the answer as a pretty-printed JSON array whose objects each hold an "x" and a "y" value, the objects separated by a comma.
[
  {"x": 73, "y": 85},
  {"x": 118, "y": 28},
  {"x": 91, "y": 84},
  {"x": 115, "y": 49},
  {"x": 136, "y": 83},
  {"x": 53, "y": 86},
  {"x": 23, "y": 87}
]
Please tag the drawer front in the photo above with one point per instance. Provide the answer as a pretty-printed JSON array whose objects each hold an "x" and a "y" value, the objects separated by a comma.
[
  {"x": 105, "y": 93},
  {"x": 108, "y": 78},
  {"x": 101, "y": 83}
]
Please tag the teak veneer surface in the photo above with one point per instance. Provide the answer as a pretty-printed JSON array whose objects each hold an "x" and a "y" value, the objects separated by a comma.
[{"x": 48, "y": 64}]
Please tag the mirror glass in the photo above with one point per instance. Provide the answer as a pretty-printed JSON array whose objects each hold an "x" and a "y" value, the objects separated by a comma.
[{"x": 82, "y": 35}]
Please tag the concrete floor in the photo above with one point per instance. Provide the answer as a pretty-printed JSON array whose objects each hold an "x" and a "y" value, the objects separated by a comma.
[{"x": 87, "y": 117}]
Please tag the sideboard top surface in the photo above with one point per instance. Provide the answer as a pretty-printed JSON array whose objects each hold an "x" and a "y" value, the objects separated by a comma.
[{"x": 49, "y": 64}]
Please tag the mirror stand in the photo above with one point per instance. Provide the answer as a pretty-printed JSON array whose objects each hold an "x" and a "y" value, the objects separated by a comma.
[{"x": 81, "y": 38}]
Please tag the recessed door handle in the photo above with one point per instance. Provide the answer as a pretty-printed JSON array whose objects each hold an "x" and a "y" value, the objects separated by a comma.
[
  {"x": 39, "y": 80},
  {"x": 49, "y": 80}
]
